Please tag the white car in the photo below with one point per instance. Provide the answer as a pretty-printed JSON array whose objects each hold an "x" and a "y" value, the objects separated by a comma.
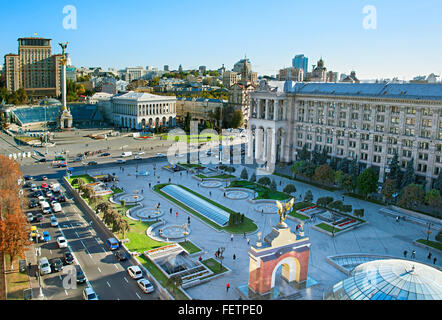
[
  {"x": 41, "y": 199},
  {"x": 89, "y": 294},
  {"x": 56, "y": 207},
  {"x": 160, "y": 155},
  {"x": 43, "y": 264},
  {"x": 62, "y": 243},
  {"x": 54, "y": 222},
  {"x": 121, "y": 161},
  {"x": 30, "y": 217},
  {"x": 145, "y": 285},
  {"x": 137, "y": 157},
  {"x": 135, "y": 272},
  {"x": 140, "y": 153}
]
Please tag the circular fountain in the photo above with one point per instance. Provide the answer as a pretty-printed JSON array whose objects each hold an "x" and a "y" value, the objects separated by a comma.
[
  {"x": 211, "y": 184},
  {"x": 174, "y": 232},
  {"x": 267, "y": 208},
  {"x": 131, "y": 198},
  {"x": 147, "y": 214},
  {"x": 237, "y": 195}
]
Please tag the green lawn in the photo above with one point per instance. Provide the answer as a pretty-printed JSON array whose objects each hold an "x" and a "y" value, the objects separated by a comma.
[
  {"x": 85, "y": 177},
  {"x": 247, "y": 226},
  {"x": 161, "y": 278},
  {"x": 16, "y": 281},
  {"x": 327, "y": 227},
  {"x": 434, "y": 244},
  {"x": 263, "y": 192},
  {"x": 299, "y": 216},
  {"x": 189, "y": 247},
  {"x": 214, "y": 266}
]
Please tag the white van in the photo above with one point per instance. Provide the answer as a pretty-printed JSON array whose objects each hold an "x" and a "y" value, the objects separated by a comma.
[
  {"x": 45, "y": 267},
  {"x": 56, "y": 206},
  {"x": 126, "y": 154},
  {"x": 45, "y": 207}
]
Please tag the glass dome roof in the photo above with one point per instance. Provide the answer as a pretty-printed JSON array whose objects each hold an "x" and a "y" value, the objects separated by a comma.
[{"x": 391, "y": 279}]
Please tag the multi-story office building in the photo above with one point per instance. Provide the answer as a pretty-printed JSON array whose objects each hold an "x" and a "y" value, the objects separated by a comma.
[
  {"x": 139, "y": 110},
  {"x": 300, "y": 62},
  {"x": 230, "y": 78},
  {"x": 34, "y": 68},
  {"x": 199, "y": 109},
  {"x": 291, "y": 74},
  {"x": 133, "y": 73},
  {"x": 367, "y": 121}
]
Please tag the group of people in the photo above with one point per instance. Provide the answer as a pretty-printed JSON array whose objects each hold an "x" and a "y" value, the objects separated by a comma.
[{"x": 413, "y": 255}]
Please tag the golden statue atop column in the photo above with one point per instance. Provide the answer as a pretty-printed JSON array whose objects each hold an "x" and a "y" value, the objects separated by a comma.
[{"x": 65, "y": 118}]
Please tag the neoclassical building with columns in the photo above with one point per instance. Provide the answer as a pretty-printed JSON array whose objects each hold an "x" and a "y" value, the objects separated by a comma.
[
  {"x": 366, "y": 121},
  {"x": 142, "y": 111}
]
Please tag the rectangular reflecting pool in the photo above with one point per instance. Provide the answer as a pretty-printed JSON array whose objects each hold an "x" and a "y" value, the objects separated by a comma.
[{"x": 210, "y": 211}]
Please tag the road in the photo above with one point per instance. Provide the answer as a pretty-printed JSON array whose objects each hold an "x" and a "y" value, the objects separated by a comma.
[{"x": 105, "y": 274}]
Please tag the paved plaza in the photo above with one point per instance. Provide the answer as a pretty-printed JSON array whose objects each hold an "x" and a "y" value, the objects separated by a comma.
[{"x": 381, "y": 236}]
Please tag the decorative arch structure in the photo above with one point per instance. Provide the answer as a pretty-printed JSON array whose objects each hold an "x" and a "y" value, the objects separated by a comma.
[{"x": 280, "y": 248}]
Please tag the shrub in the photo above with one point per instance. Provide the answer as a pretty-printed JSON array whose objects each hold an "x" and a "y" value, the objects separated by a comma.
[
  {"x": 324, "y": 201},
  {"x": 273, "y": 185},
  {"x": 336, "y": 205},
  {"x": 290, "y": 188},
  {"x": 253, "y": 178},
  {"x": 358, "y": 212},
  {"x": 264, "y": 181},
  {"x": 244, "y": 174},
  {"x": 347, "y": 208},
  {"x": 308, "y": 196}
]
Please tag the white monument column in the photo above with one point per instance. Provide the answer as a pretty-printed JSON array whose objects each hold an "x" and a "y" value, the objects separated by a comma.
[
  {"x": 273, "y": 156},
  {"x": 275, "y": 110}
]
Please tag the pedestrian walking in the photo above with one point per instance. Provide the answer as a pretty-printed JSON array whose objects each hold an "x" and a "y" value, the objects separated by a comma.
[
  {"x": 150, "y": 184},
  {"x": 248, "y": 241},
  {"x": 429, "y": 256},
  {"x": 200, "y": 258},
  {"x": 397, "y": 219},
  {"x": 210, "y": 193},
  {"x": 405, "y": 253},
  {"x": 234, "y": 257},
  {"x": 244, "y": 235},
  {"x": 227, "y": 287},
  {"x": 231, "y": 237},
  {"x": 188, "y": 220},
  {"x": 434, "y": 260},
  {"x": 224, "y": 194},
  {"x": 169, "y": 180},
  {"x": 413, "y": 254},
  {"x": 170, "y": 211},
  {"x": 176, "y": 214}
]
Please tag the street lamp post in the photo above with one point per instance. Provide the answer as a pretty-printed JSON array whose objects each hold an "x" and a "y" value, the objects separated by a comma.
[{"x": 37, "y": 254}]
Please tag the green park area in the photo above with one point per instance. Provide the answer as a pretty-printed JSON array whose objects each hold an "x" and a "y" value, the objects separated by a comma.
[{"x": 262, "y": 191}]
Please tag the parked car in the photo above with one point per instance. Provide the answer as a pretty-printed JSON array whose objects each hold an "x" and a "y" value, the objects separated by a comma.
[
  {"x": 44, "y": 178},
  {"x": 112, "y": 244},
  {"x": 27, "y": 177},
  {"x": 121, "y": 161},
  {"x": 33, "y": 203},
  {"x": 34, "y": 231},
  {"x": 48, "y": 193},
  {"x": 106, "y": 154},
  {"x": 57, "y": 264},
  {"x": 92, "y": 163},
  {"x": 30, "y": 217},
  {"x": 68, "y": 257},
  {"x": 44, "y": 185},
  {"x": 44, "y": 266},
  {"x": 137, "y": 157},
  {"x": 37, "y": 194},
  {"x": 81, "y": 278},
  {"x": 145, "y": 285},
  {"x": 89, "y": 294},
  {"x": 135, "y": 272},
  {"x": 62, "y": 243},
  {"x": 121, "y": 255},
  {"x": 56, "y": 207},
  {"x": 39, "y": 217},
  {"x": 54, "y": 222},
  {"x": 61, "y": 198},
  {"x": 42, "y": 160},
  {"x": 160, "y": 155},
  {"x": 46, "y": 236}
]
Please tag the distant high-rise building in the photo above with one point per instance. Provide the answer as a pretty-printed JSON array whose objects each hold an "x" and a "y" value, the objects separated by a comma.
[
  {"x": 166, "y": 68},
  {"x": 300, "y": 62},
  {"x": 202, "y": 69},
  {"x": 34, "y": 68},
  {"x": 291, "y": 74},
  {"x": 180, "y": 68}
]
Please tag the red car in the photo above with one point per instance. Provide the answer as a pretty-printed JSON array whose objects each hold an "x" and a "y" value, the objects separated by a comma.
[{"x": 44, "y": 185}]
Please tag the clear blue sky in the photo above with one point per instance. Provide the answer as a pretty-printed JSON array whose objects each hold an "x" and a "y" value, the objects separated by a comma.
[{"x": 116, "y": 33}]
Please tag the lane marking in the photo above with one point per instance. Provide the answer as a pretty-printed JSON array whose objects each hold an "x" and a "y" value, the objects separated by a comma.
[
  {"x": 116, "y": 266},
  {"x": 104, "y": 250},
  {"x": 99, "y": 269},
  {"x": 83, "y": 244},
  {"x": 65, "y": 291},
  {"x": 138, "y": 295},
  {"x": 108, "y": 284},
  {"x": 126, "y": 279},
  {"x": 77, "y": 234}
]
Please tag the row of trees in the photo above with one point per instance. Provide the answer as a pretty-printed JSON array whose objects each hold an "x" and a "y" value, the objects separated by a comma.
[
  {"x": 18, "y": 97},
  {"x": 14, "y": 227}
]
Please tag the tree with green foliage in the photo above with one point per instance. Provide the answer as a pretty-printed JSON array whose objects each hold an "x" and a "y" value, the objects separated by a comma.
[
  {"x": 264, "y": 181},
  {"x": 347, "y": 208},
  {"x": 273, "y": 185},
  {"x": 411, "y": 196},
  {"x": 389, "y": 189},
  {"x": 253, "y": 178},
  {"x": 308, "y": 196},
  {"x": 433, "y": 199},
  {"x": 304, "y": 154},
  {"x": 409, "y": 176},
  {"x": 244, "y": 174},
  {"x": 298, "y": 167},
  {"x": 290, "y": 188},
  {"x": 358, "y": 213},
  {"x": 324, "y": 174},
  {"x": 237, "y": 119},
  {"x": 438, "y": 182},
  {"x": 395, "y": 170},
  {"x": 367, "y": 182}
]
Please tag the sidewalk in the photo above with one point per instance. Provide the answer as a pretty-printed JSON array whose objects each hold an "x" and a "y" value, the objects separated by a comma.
[{"x": 33, "y": 281}]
